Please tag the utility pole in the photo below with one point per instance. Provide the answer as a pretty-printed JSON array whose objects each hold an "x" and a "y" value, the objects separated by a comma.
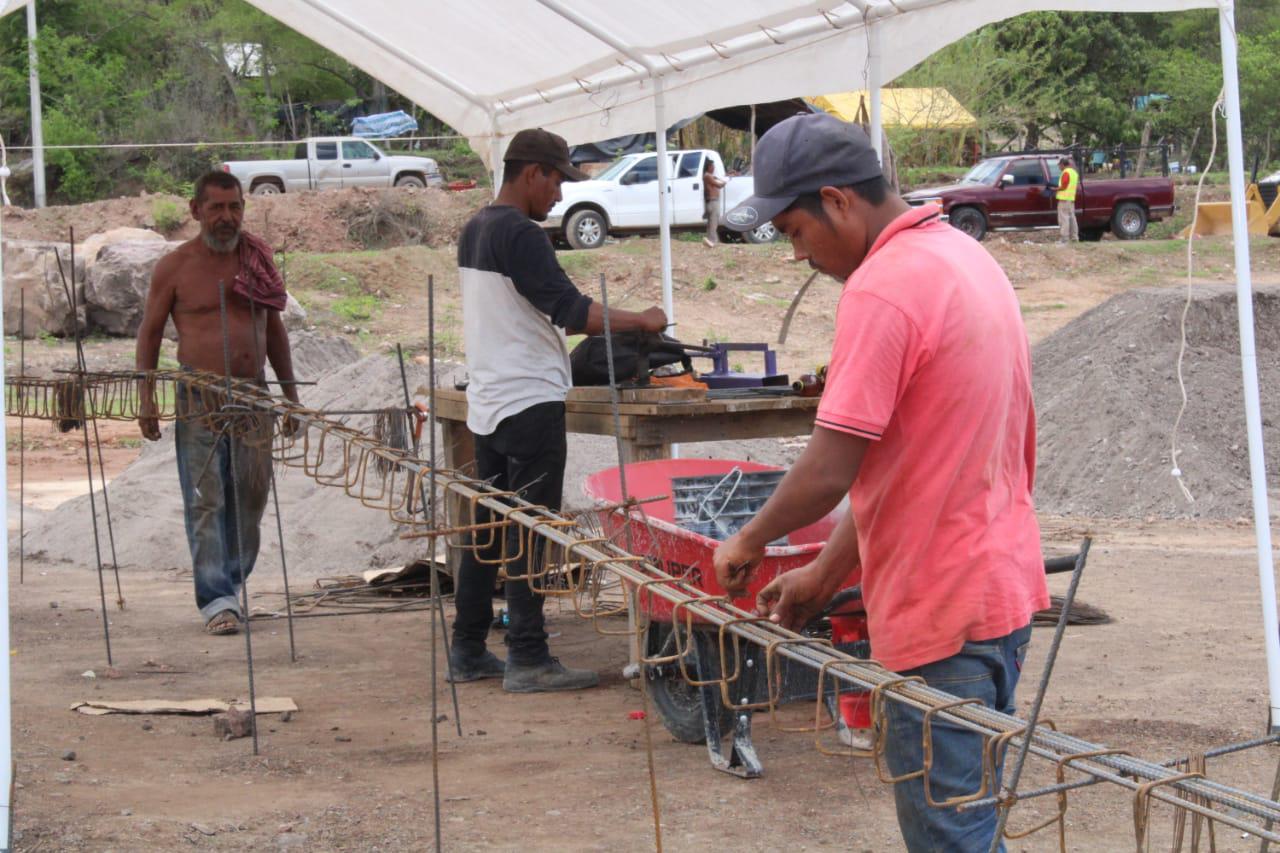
[{"x": 37, "y": 123}]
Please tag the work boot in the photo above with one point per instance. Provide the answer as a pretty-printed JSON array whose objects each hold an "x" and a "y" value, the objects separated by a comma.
[
  {"x": 464, "y": 667},
  {"x": 547, "y": 677}
]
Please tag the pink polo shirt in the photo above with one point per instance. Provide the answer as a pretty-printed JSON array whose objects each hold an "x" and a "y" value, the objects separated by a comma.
[{"x": 931, "y": 363}]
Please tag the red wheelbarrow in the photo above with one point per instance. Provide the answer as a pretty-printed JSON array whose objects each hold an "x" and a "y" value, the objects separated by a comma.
[{"x": 706, "y": 500}]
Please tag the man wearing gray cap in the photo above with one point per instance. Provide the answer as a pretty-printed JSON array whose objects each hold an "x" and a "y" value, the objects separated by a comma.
[
  {"x": 926, "y": 424},
  {"x": 517, "y": 304}
]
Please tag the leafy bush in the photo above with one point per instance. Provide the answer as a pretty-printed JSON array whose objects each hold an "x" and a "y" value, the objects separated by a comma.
[{"x": 169, "y": 216}]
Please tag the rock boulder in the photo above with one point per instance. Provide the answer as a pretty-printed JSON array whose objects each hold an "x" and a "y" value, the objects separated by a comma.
[{"x": 33, "y": 281}]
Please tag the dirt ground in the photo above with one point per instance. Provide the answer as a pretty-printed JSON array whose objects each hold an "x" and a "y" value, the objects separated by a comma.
[{"x": 1179, "y": 669}]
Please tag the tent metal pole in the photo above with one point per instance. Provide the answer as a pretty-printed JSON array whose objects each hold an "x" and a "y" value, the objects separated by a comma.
[
  {"x": 875, "y": 83},
  {"x": 665, "y": 199},
  {"x": 6, "y": 701},
  {"x": 496, "y": 151},
  {"x": 37, "y": 122},
  {"x": 1249, "y": 360}
]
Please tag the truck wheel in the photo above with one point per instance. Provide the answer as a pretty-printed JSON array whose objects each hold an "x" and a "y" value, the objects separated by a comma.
[
  {"x": 410, "y": 181},
  {"x": 266, "y": 188},
  {"x": 586, "y": 229},
  {"x": 1129, "y": 222},
  {"x": 970, "y": 220},
  {"x": 766, "y": 233},
  {"x": 679, "y": 704}
]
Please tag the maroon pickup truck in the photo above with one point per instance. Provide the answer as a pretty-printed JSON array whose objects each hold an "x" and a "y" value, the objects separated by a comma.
[{"x": 1016, "y": 192}]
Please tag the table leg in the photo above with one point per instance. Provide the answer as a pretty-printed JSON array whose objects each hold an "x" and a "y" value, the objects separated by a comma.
[{"x": 635, "y": 452}]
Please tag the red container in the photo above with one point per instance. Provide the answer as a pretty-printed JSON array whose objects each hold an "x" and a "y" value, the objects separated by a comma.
[{"x": 682, "y": 552}]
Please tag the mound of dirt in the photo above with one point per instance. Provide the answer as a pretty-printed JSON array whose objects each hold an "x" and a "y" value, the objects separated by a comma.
[
  {"x": 294, "y": 222},
  {"x": 1107, "y": 396},
  {"x": 326, "y": 532}
]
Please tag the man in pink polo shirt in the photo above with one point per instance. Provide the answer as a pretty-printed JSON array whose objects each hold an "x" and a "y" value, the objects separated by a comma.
[{"x": 927, "y": 424}]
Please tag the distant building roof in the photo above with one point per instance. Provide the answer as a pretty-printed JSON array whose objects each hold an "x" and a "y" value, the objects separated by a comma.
[{"x": 902, "y": 107}]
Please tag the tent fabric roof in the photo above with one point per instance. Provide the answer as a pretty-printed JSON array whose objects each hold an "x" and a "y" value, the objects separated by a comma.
[
  {"x": 587, "y": 69},
  {"x": 920, "y": 109}
]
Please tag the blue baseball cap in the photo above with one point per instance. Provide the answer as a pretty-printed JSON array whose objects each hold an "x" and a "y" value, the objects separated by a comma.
[{"x": 802, "y": 155}]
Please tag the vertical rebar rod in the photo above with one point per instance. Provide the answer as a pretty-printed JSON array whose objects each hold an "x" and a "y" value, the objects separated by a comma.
[
  {"x": 70, "y": 289},
  {"x": 437, "y": 604},
  {"x": 1011, "y": 790},
  {"x": 83, "y": 363},
  {"x": 258, "y": 359},
  {"x": 236, "y": 503},
  {"x": 633, "y": 604},
  {"x": 22, "y": 438},
  {"x": 284, "y": 569},
  {"x": 431, "y": 521}
]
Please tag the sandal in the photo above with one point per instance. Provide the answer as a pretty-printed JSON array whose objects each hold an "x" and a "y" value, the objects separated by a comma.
[{"x": 225, "y": 622}]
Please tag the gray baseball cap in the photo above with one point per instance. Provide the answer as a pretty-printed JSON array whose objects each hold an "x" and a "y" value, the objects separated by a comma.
[{"x": 801, "y": 155}]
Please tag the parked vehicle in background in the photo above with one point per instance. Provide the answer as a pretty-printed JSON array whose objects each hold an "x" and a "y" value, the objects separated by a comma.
[
  {"x": 1015, "y": 192},
  {"x": 623, "y": 199},
  {"x": 330, "y": 162}
]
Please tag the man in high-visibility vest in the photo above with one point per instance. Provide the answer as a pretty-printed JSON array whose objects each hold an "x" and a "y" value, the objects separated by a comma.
[{"x": 1068, "y": 229}]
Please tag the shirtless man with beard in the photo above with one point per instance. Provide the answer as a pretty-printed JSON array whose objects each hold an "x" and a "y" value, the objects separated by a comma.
[{"x": 185, "y": 286}]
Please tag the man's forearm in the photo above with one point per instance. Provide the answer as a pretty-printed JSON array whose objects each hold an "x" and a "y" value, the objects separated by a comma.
[
  {"x": 815, "y": 484},
  {"x": 280, "y": 356},
  {"x": 619, "y": 320}
]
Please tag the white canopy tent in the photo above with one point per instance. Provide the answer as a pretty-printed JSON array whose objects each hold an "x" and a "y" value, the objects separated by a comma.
[{"x": 590, "y": 69}]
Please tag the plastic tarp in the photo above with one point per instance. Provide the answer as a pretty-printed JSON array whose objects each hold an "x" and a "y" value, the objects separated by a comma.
[
  {"x": 586, "y": 69},
  {"x": 920, "y": 109},
  {"x": 384, "y": 125}
]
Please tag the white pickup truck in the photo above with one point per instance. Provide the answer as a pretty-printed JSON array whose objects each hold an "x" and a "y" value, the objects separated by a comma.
[
  {"x": 623, "y": 199},
  {"x": 330, "y": 162}
]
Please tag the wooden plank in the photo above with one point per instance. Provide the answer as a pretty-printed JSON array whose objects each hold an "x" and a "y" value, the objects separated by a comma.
[
  {"x": 451, "y": 404},
  {"x": 723, "y": 427},
  {"x": 655, "y": 394}
]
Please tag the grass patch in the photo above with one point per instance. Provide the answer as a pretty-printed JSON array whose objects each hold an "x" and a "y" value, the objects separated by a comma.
[
  {"x": 1040, "y": 309},
  {"x": 315, "y": 272},
  {"x": 1153, "y": 247},
  {"x": 578, "y": 263},
  {"x": 356, "y": 308},
  {"x": 635, "y": 246},
  {"x": 709, "y": 284}
]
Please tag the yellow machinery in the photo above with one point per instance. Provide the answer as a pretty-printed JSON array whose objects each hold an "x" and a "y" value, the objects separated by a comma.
[{"x": 1214, "y": 217}]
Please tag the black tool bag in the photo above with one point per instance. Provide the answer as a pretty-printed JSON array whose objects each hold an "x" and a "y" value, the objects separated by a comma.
[{"x": 634, "y": 355}]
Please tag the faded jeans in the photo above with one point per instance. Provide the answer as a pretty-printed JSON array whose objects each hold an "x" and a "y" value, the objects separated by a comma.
[
  {"x": 987, "y": 671},
  {"x": 223, "y": 541},
  {"x": 712, "y": 208}
]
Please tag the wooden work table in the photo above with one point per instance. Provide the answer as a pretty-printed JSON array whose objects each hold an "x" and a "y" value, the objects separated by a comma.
[{"x": 650, "y": 420}]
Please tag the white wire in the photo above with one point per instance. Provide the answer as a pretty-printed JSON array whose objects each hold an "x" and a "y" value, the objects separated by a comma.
[{"x": 1219, "y": 106}]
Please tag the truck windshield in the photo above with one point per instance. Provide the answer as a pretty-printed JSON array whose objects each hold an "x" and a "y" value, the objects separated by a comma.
[
  {"x": 616, "y": 169},
  {"x": 984, "y": 173}
]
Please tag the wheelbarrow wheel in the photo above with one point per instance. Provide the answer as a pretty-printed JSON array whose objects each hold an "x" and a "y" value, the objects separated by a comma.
[{"x": 679, "y": 704}]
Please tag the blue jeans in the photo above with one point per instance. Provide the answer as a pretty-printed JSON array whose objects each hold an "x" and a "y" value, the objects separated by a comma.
[
  {"x": 221, "y": 557},
  {"x": 988, "y": 671}
]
